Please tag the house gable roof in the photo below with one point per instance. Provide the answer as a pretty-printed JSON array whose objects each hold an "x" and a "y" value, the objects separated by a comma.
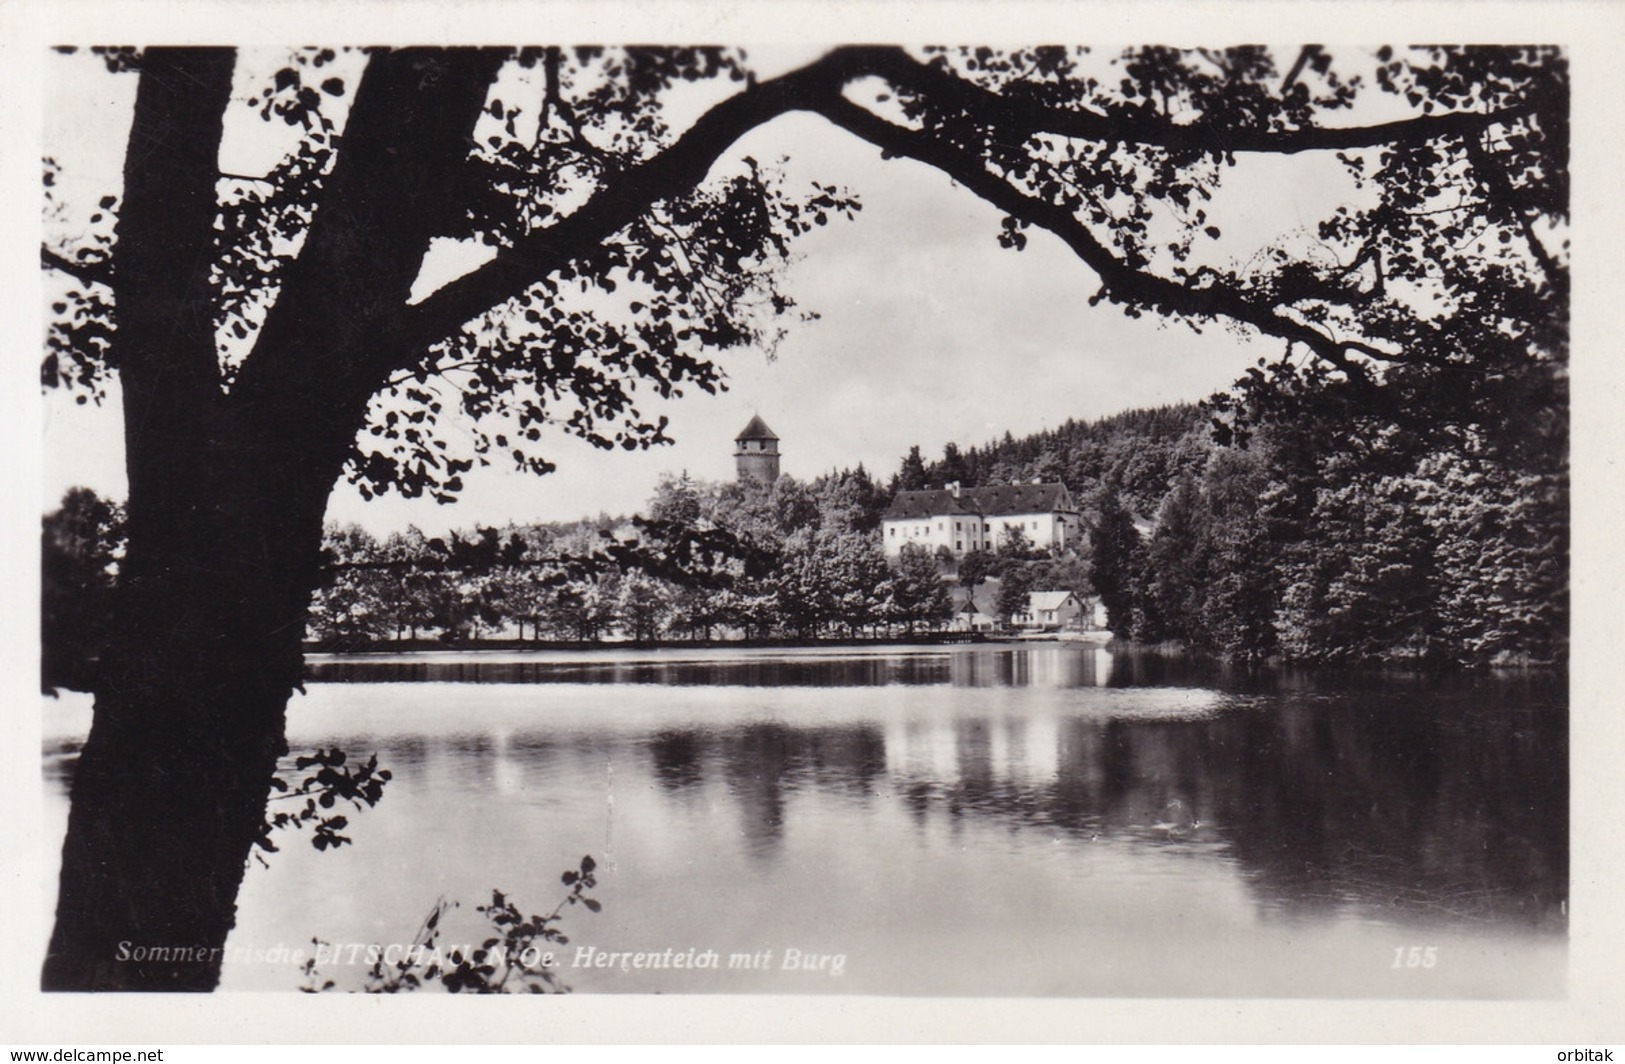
[
  {"x": 1047, "y": 600},
  {"x": 983, "y": 600}
]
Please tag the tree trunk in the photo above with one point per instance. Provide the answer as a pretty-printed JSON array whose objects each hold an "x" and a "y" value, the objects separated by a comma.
[
  {"x": 227, "y": 495},
  {"x": 168, "y": 798},
  {"x": 169, "y": 794}
]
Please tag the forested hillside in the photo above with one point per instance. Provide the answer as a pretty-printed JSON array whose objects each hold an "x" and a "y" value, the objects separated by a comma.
[
  {"x": 1287, "y": 518},
  {"x": 1134, "y": 453}
]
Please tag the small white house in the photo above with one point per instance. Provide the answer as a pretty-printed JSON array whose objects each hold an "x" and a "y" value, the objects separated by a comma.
[
  {"x": 969, "y": 617},
  {"x": 1050, "y": 609}
]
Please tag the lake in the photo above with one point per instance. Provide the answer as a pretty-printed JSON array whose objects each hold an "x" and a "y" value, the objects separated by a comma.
[{"x": 973, "y": 820}]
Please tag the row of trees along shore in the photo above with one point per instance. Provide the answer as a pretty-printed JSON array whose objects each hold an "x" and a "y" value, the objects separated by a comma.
[
  {"x": 1250, "y": 527},
  {"x": 791, "y": 561},
  {"x": 272, "y": 332},
  {"x": 1253, "y": 544}
]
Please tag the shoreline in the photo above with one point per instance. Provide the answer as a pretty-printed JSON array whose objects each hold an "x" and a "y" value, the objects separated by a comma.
[
  {"x": 334, "y": 650},
  {"x": 419, "y": 646}
]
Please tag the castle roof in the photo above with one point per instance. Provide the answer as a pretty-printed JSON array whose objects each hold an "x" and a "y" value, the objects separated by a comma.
[
  {"x": 996, "y": 500},
  {"x": 756, "y": 430},
  {"x": 930, "y": 503}
]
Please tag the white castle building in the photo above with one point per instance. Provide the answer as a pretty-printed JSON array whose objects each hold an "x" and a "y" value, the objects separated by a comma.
[{"x": 967, "y": 519}]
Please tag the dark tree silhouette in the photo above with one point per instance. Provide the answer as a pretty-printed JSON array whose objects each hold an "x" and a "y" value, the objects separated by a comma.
[
  {"x": 79, "y": 548},
  {"x": 267, "y": 337}
]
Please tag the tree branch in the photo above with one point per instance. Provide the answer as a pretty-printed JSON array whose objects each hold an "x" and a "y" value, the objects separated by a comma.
[
  {"x": 550, "y": 91},
  {"x": 84, "y": 272},
  {"x": 1500, "y": 187},
  {"x": 1304, "y": 55},
  {"x": 818, "y": 87},
  {"x": 165, "y": 233},
  {"x": 1028, "y": 117},
  {"x": 672, "y": 172},
  {"x": 1123, "y": 282},
  {"x": 397, "y": 183}
]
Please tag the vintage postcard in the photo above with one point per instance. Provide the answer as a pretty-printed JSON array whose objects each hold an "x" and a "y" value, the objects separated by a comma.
[{"x": 954, "y": 512}]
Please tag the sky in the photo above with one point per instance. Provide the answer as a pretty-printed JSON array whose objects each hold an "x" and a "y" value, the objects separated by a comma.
[{"x": 928, "y": 332}]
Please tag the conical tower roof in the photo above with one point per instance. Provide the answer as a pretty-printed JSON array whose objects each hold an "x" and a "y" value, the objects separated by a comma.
[{"x": 756, "y": 430}]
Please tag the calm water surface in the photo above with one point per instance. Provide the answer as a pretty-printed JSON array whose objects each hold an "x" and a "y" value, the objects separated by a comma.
[{"x": 1037, "y": 819}]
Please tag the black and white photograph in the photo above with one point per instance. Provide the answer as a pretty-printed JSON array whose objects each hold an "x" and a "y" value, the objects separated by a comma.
[{"x": 896, "y": 511}]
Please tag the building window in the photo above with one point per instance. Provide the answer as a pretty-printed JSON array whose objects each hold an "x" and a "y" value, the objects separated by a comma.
[{"x": 959, "y": 545}]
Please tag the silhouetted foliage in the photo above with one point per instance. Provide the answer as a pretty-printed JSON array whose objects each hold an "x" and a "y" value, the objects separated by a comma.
[
  {"x": 332, "y": 782},
  {"x": 79, "y": 549},
  {"x": 510, "y": 960}
]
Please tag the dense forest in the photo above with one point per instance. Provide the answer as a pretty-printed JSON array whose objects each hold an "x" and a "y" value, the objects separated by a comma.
[{"x": 1285, "y": 519}]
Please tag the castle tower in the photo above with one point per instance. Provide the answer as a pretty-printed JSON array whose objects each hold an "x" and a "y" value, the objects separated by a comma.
[{"x": 756, "y": 452}]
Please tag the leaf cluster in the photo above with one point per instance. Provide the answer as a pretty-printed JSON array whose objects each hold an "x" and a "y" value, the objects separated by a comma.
[
  {"x": 510, "y": 959},
  {"x": 642, "y": 312},
  {"x": 332, "y": 782}
]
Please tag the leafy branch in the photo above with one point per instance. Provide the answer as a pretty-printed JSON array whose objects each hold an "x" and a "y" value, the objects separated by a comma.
[
  {"x": 332, "y": 782},
  {"x": 510, "y": 960}
]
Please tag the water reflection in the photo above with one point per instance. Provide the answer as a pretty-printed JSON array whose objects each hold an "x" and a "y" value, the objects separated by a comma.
[
  {"x": 1395, "y": 814},
  {"x": 1061, "y": 792},
  {"x": 1002, "y": 666}
]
